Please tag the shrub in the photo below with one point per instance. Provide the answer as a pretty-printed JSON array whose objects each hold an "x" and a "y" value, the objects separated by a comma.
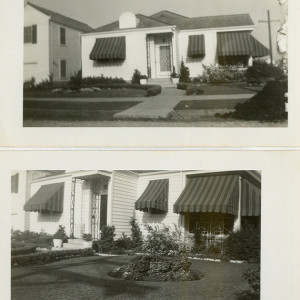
[
  {"x": 268, "y": 104},
  {"x": 135, "y": 79},
  {"x": 46, "y": 83},
  {"x": 87, "y": 237},
  {"x": 106, "y": 242},
  {"x": 124, "y": 242},
  {"x": 260, "y": 72},
  {"x": 49, "y": 256},
  {"x": 153, "y": 90},
  {"x": 75, "y": 81},
  {"x": 29, "y": 84},
  {"x": 243, "y": 244},
  {"x": 60, "y": 233},
  {"x": 252, "y": 275},
  {"x": 136, "y": 233},
  {"x": 222, "y": 74},
  {"x": 23, "y": 250},
  {"x": 193, "y": 89},
  {"x": 184, "y": 73},
  {"x": 27, "y": 238},
  {"x": 92, "y": 80}
]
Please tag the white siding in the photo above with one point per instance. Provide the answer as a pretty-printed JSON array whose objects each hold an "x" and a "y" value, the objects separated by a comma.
[
  {"x": 175, "y": 188},
  {"x": 123, "y": 199},
  {"x": 136, "y": 57},
  {"x": 49, "y": 222},
  {"x": 36, "y": 56},
  {"x": 195, "y": 64}
]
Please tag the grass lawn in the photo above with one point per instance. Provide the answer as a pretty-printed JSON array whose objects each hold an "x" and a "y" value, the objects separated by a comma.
[
  {"x": 86, "y": 278},
  {"x": 105, "y": 93},
  {"x": 66, "y": 111},
  {"x": 229, "y": 88},
  {"x": 208, "y": 104}
]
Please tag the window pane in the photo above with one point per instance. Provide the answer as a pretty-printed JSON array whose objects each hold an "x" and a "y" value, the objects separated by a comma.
[
  {"x": 62, "y": 36},
  {"x": 63, "y": 69},
  {"x": 34, "y": 34},
  {"x": 27, "y": 34}
]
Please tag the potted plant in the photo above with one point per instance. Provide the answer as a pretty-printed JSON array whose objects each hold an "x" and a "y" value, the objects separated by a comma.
[
  {"x": 143, "y": 79},
  {"x": 59, "y": 236},
  {"x": 87, "y": 240},
  {"x": 174, "y": 77}
]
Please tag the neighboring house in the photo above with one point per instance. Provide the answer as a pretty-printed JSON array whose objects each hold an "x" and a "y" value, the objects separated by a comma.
[
  {"x": 51, "y": 44},
  {"x": 83, "y": 201},
  {"x": 20, "y": 193},
  {"x": 156, "y": 45}
]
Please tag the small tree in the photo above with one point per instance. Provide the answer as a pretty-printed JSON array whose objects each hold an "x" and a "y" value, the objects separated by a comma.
[
  {"x": 136, "y": 233},
  {"x": 107, "y": 242},
  {"x": 184, "y": 74}
]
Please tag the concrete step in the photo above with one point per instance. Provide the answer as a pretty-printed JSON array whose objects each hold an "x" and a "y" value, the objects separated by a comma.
[
  {"x": 163, "y": 82},
  {"x": 75, "y": 241},
  {"x": 73, "y": 246}
]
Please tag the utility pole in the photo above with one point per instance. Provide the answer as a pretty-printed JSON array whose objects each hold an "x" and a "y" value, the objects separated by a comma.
[{"x": 270, "y": 34}]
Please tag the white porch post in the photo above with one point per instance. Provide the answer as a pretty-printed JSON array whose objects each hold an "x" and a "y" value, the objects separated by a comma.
[
  {"x": 110, "y": 200},
  {"x": 237, "y": 221}
]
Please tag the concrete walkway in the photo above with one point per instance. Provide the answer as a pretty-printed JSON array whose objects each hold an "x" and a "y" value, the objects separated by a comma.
[{"x": 162, "y": 105}]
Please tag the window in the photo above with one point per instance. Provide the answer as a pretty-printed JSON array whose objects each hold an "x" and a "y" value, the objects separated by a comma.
[
  {"x": 62, "y": 36},
  {"x": 14, "y": 183},
  {"x": 234, "y": 60},
  {"x": 63, "y": 68},
  {"x": 30, "y": 34}
]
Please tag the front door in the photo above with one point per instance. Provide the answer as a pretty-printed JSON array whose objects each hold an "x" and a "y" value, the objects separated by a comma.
[{"x": 163, "y": 61}]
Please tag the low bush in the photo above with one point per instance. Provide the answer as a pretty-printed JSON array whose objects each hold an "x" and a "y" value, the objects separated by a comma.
[
  {"x": 137, "y": 76},
  {"x": 136, "y": 233},
  {"x": 23, "y": 250},
  {"x": 60, "y": 233},
  {"x": 266, "y": 105},
  {"x": 49, "y": 256},
  {"x": 87, "y": 237},
  {"x": 184, "y": 73},
  {"x": 216, "y": 74},
  {"x": 252, "y": 275},
  {"x": 124, "y": 242},
  {"x": 261, "y": 72},
  {"x": 75, "y": 81},
  {"x": 106, "y": 242},
  {"x": 46, "y": 84},
  {"x": 29, "y": 238},
  {"x": 243, "y": 244},
  {"x": 153, "y": 90},
  {"x": 92, "y": 80},
  {"x": 193, "y": 89},
  {"x": 29, "y": 84}
]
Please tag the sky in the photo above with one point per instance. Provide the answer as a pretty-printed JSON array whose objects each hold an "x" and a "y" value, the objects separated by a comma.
[{"x": 100, "y": 12}]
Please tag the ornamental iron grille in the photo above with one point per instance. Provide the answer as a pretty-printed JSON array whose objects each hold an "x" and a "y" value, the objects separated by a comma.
[{"x": 95, "y": 185}]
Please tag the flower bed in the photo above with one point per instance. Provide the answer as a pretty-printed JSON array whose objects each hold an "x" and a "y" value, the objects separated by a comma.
[{"x": 48, "y": 257}]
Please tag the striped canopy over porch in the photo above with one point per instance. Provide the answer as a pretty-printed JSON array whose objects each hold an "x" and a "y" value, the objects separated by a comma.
[
  {"x": 49, "y": 197},
  {"x": 113, "y": 48},
  {"x": 154, "y": 197}
]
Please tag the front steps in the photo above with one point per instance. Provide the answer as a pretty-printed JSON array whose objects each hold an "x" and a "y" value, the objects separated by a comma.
[
  {"x": 74, "y": 244},
  {"x": 163, "y": 82}
]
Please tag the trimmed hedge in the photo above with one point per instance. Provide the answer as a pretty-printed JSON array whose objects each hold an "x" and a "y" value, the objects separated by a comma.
[
  {"x": 22, "y": 251},
  {"x": 190, "y": 88},
  {"x": 49, "y": 256}
]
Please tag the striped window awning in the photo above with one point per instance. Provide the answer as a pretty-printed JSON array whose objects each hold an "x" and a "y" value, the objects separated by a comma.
[
  {"x": 196, "y": 46},
  {"x": 49, "y": 197},
  {"x": 112, "y": 48},
  {"x": 251, "y": 199},
  {"x": 239, "y": 43},
  {"x": 155, "y": 197},
  {"x": 219, "y": 194}
]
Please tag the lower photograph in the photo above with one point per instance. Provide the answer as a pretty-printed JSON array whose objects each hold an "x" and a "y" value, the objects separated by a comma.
[{"x": 135, "y": 234}]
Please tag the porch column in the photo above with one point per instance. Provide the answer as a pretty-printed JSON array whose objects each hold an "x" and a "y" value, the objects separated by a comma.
[
  {"x": 110, "y": 200},
  {"x": 174, "y": 54},
  {"x": 72, "y": 207},
  {"x": 237, "y": 221}
]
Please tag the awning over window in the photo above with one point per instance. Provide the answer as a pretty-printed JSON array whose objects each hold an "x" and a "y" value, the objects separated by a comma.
[
  {"x": 209, "y": 194},
  {"x": 196, "y": 47},
  {"x": 234, "y": 43},
  {"x": 109, "y": 48},
  {"x": 259, "y": 49},
  {"x": 251, "y": 199},
  {"x": 48, "y": 198},
  {"x": 155, "y": 196}
]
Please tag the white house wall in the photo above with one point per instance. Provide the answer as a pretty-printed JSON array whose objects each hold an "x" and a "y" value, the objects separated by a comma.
[
  {"x": 49, "y": 222},
  {"x": 71, "y": 51},
  {"x": 36, "y": 56},
  {"x": 124, "y": 191},
  {"x": 175, "y": 188},
  {"x": 136, "y": 57}
]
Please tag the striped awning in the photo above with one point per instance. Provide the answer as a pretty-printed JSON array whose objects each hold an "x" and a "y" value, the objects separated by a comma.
[
  {"x": 259, "y": 49},
  {"x": 109, "y": 48},
  {"x": 196, "y": 47},
  {"x": 49, "y": 197},
  {"x": 154, "y": 197},
  {"x": 218, "y": 194},
  {"x": 251, "y": 199}
]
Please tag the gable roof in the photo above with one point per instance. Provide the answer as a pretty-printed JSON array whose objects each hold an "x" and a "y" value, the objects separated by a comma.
[
  {"x": 185, "y": 23},
  {"x": 56, "y": 17},
  {"x": 144, "y": 22}
]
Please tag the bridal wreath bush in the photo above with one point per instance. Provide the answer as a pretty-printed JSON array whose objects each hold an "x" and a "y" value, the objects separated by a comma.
[{"x": 164, "y": 258}]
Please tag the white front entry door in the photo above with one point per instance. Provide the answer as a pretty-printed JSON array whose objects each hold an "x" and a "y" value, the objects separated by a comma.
[{"x": 163, "y": 61}]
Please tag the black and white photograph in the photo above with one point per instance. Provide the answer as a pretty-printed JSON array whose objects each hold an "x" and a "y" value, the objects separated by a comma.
[
  {"x": 169, "y": 63},
  {"x": 122, "y": 234}
]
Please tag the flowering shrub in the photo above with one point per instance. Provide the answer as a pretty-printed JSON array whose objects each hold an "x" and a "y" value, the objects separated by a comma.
[
  {"x": 222, "y": 74},
  {"x": 20, "y": 239}
]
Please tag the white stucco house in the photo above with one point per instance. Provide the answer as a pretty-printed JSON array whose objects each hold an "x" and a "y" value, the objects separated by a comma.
[
  {"x": 156, "y": 44},
  {"x": 51, "y": 44},
  {"x": 218, "y": 202}
]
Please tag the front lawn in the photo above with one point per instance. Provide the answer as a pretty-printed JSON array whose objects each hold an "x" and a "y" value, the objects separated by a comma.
[
  {"x": 86, "y": 278},
  {"x": 208, "y": 104},
  {"x": 104, "y": 93}
]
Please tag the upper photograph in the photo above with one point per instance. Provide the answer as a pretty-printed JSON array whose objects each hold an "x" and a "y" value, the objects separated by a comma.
[{"x": 168, "y": 63}]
